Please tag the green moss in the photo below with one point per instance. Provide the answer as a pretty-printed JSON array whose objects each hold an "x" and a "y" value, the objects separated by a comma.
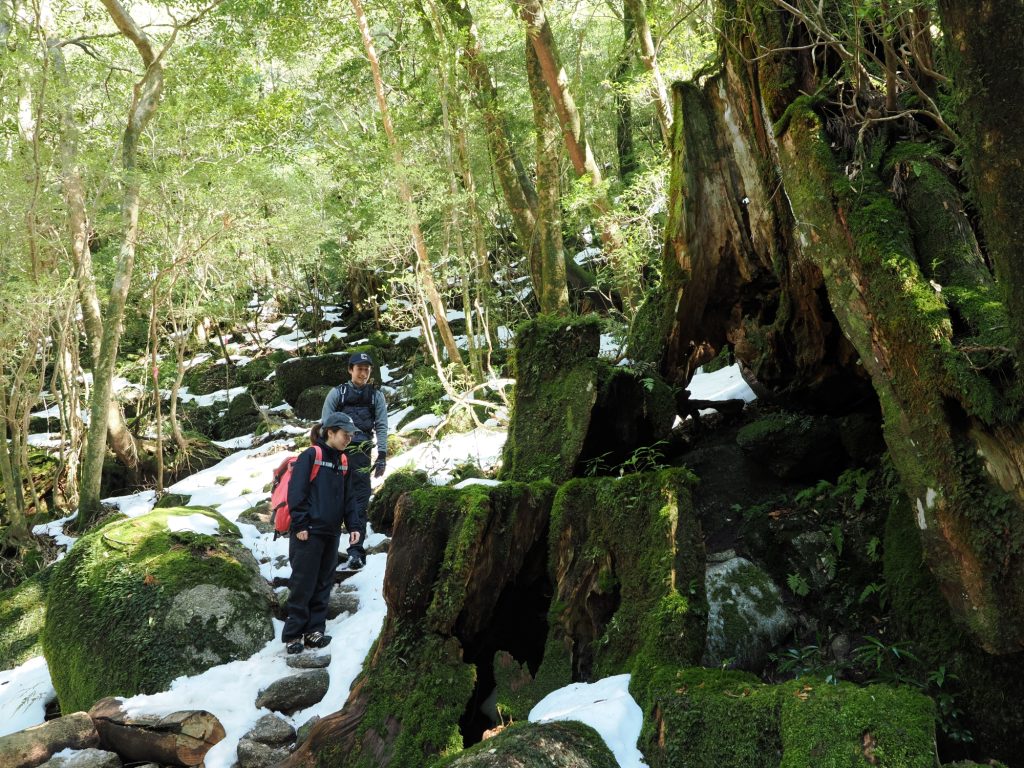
[
  {"x": 710, "y": 718},
  {"x": 417, "y": 690},
  {"x": 556, "y": 378},
  {"x": 518, "y": 692},
  {"x": 565, "y": 744},
  {"x": 242, "y": 418},
  {"x": 22, "y": 612},
  {"x": 119, "y": 620},
  {"x": 901, "y": 327},
  {"x": 381, "y": 511},
  {"x": 836, "y": 726},
  {"x": 173, "y": 500},
  {"x": 639, "y": 534},
  {"x": 984, "y": 686}
]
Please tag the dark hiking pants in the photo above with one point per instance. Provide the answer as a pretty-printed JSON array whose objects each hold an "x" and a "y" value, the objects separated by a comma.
[
  {"x": 313, "y": 563},
  {"x": 359, "y": 469}
]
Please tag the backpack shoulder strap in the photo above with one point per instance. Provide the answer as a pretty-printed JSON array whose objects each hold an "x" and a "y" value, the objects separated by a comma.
[{"x": 317, "y": 459}]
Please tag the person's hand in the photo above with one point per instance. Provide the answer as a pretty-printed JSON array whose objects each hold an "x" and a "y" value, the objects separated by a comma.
[
  {"x": 353, "y": 538},
  {"x": 302, "y": 535},
  {"x": 378, "y": 468}
]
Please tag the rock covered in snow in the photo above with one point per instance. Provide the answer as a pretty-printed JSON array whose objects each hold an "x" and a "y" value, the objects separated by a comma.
[{"x": 84, "y": 758}]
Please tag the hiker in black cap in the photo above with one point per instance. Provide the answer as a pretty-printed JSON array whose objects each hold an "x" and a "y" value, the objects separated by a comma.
[
  {"x": 318, "y": 508},
  {"x": 359, "y": 399}
]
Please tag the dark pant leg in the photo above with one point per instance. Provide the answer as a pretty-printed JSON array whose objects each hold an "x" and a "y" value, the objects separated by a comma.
[
  {"x": 305, "y": 557},
  {"x": 359, "y": 469},
  {"x": 324, "y": 584}
]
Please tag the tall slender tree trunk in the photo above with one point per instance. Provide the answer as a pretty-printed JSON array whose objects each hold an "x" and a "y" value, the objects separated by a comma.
[
  {"x": 636, "y": 10},
  {"x": 577, "y": 147},
  {"x": 145, "y": 99},
  {"x": 423, "y": 266},
  {"x": 516, "y": 187},
  {"x": 119, "y": 437},
  {"x": 548, "y": 268},
  {"x": 624, "y": 104}
]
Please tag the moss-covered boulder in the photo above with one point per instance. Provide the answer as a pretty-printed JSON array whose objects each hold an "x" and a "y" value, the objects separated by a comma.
[
  {"x": 22, "y": 612},
  {"x": 241, "y": 418},
  {"x": 138, "y": 602},
  {"x": 626, "y": 560},
  {"x": 538, "y": 745},
  {"x": 746, "y": 617},
  {"x": 707, "y": 718},
  {"x": 311, "y": 402},
  {"x": 295, "y": 376},
  {"x": 794, "y": 445},
  {"x": 556, "y": 372},
  {"x": 381, "y": 511}
]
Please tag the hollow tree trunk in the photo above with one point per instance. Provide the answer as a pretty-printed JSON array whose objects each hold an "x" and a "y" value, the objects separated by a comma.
[
  {"x": 988, "y": 69},
  {"x": 778, "y": 199}
]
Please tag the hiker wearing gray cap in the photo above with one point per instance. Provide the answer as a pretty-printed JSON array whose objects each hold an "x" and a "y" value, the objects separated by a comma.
[
  {"x": 320, "y": 500},
  {"x": 365, "y": 405}
]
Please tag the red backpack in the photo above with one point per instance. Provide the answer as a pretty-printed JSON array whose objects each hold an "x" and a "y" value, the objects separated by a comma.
[{"x": 280, "y": 514}]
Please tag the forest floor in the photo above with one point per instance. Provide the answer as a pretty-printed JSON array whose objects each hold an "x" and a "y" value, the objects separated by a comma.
[{"x": 229, "y": 691}]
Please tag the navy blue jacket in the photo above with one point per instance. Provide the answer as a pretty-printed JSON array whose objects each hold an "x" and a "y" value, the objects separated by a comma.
[{"x": 322, "y": 506}]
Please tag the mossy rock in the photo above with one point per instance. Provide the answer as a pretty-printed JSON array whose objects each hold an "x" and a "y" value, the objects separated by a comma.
[
  {"x": 22, "y": 612},
  {"x": 242, "y": 418},
  {"x": 135, "y": 605},
  {"x": 299, "y": 374},
  {"x": 746, "y": 617},
  {"x": 202, "y": 419},
  {"x": 255, "y": 370},
  {"x": 381, "y": 511},
  {"x": 209, "y": 376},
  {"x": 172, "y": 500},
  {"x": 846, "y": 725},
  {"x": 265, "y": 392},
  {"x": 311, "y": 402},
  {"x": 710, "y": 718},
  {"x": 258, "y": 516},
  {"x": 794, "y": 445},
  {"x": 556, "y": 372},
  {"x": 565, "y": 744}
]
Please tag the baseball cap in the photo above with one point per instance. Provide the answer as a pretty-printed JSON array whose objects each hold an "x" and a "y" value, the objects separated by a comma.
[
  {"x": 338, "y": 420},
  {"x": 360, "y": 358}
]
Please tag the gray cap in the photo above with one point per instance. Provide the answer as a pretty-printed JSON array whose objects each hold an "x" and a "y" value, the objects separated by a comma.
[{"x": 338, "y": 420}]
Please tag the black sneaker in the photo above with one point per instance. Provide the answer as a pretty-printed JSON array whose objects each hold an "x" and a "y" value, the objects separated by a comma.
[
  {"x": 356, "y": 562},
  {"x": 317, "y": 640},
  {"x": 294, "y": 646}
]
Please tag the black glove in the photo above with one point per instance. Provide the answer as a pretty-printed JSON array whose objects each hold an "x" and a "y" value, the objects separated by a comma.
[{"x": 378, "y": 468}]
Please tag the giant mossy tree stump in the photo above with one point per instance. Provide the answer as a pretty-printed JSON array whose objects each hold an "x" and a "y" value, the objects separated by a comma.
[
  {"x": 136, "y": 604},
  {"x": 556, "y": 371}
]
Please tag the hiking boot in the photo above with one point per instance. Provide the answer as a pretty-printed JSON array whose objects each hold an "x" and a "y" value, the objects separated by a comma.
[
  {"x": 356, "y": 562},
  {"x": 317, "y": 640},
  {"x": 294, "y": 646}
]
